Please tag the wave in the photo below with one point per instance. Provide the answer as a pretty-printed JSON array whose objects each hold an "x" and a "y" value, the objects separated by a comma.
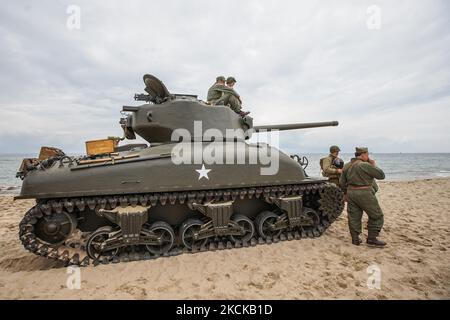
[{"x": 9, "y": 189}]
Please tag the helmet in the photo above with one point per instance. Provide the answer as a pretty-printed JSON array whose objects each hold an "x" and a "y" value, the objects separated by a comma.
[{"x": 334, "y": 149}]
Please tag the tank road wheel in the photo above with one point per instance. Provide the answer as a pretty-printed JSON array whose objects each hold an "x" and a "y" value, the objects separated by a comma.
[
  {"x": 55, "y": 229},
  {"x": 166, "y": 238},
  {"x": 265, "y": 223},
  {"x": 313, "y": 217},
  {"x": 247, "y": 226},
  {"x": 94, "y": 244},
  {"x": 189, "y": 231}
]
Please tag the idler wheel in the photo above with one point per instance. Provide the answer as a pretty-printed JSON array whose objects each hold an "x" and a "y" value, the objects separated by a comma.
[
  {"x": 247, "y": 226},
  {"x": 265, "y": 224},
  {"x": 95, "y": 244},
  {"x": 189, "y": 232},
  {"x": 165, "y": 235},
  {"x": 56, "y": 228}
]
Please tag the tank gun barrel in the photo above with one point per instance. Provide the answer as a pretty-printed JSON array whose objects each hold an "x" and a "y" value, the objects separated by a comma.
[{"x": 293, "y": 126}]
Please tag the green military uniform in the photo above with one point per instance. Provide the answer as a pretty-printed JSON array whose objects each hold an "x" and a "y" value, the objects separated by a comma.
[
  {"x": 219, "y": 94},
  {"x": 230, "y": 98},
  {"x": 214, "y": 92},
  {"x": 328, "y": 169},
  {"x": 357, "y": 181}
]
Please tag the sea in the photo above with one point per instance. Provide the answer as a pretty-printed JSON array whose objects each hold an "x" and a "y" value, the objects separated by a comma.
[{"x": 397, "y": 167}]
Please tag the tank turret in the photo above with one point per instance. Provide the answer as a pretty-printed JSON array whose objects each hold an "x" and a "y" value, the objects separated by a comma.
[{"x": 166, "y": 113}]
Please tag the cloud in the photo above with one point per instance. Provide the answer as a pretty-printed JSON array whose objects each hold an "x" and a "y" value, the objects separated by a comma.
[{"x": 294, "y": 62}]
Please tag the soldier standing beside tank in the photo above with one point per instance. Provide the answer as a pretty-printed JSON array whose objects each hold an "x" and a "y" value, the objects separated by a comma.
[
  {"x": 359, "y": 186},
  {"x": 332, "y": 165}
]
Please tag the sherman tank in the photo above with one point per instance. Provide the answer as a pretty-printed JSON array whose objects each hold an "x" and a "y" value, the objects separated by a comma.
[{"x": 196, "y": 185}]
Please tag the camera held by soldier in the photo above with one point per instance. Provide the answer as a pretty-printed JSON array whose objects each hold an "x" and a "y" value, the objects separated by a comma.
[{"x": 338, "y": 163}]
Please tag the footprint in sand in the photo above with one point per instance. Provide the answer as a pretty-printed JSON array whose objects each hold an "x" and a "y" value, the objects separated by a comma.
[
  {"x": 134, "y": 291},
  {"x": 342, "y": 284}
]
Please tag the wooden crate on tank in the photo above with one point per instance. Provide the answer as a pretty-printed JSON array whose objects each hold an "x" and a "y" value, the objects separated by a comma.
[
  {"x": 48, "y": 152},
  {"x": 101, "y": 146}
]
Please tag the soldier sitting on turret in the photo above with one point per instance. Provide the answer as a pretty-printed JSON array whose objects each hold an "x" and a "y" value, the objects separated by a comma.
[
  {"x": 213, "y": 92},
  {"x": 221, "y": 94}
]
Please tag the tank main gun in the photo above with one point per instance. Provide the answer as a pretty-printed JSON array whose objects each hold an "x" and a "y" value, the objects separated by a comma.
[{"x": 294, "y": 126}]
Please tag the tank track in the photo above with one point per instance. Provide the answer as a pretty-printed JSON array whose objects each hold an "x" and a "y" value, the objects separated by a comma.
[{"x": 331, "y": 206}]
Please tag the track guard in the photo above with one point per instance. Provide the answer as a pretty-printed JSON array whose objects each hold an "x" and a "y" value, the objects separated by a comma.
[
  {"x": 220, "y": 214},
  {"x": 293, "y": 206},
  {"x": 130, "y": 221}
]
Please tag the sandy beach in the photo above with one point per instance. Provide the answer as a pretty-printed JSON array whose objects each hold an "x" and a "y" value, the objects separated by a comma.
[{"x": 414, "y": 265}]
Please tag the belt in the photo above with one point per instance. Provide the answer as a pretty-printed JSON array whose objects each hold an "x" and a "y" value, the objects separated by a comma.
[{"x": 359, "y": 187}]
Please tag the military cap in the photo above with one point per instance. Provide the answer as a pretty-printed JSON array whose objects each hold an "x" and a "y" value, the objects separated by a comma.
[
  {"x": 231, "y": 79},
  {"x": 361, "y": 149},
  {"x": 334, "y": 149},
  {"x": 220, "y": 78}
]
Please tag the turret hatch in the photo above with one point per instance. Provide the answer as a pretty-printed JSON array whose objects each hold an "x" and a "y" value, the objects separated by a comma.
[{"x": 155, "y": 87}]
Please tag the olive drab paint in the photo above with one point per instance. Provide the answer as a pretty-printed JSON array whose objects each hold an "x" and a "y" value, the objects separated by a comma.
[{"x": 139, "y": 196}]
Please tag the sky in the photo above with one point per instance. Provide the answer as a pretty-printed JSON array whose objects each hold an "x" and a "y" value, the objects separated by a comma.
[{"x": 380, "y": 68}]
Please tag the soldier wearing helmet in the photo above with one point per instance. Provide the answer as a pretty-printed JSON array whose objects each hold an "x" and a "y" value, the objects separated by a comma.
[{"x": 332, "y": 165}]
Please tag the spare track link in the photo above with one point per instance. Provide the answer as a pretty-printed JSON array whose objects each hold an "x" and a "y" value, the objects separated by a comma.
[{"x": 331, "y": 206}]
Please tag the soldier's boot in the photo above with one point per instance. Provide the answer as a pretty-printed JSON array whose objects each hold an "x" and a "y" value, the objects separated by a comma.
[
  {"x": 243, "y": 113},
  {"x": 356, "y": 240},
  {"x": 373, "y": 241}
]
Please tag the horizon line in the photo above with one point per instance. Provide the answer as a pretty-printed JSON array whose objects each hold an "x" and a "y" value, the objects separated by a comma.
[{"x": 325, "y": 152}]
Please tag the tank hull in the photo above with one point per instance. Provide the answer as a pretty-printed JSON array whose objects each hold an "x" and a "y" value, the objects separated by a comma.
[
  {"x": 230, "y": 206},
  {"x": 153, "y": 170}
]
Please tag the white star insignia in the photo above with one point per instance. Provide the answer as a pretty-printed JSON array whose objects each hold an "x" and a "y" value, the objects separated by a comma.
[{"x": 203, "y": 172}]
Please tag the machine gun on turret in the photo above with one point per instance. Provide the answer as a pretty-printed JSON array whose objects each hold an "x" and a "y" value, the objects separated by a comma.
[{"x": 143, "y": 97}]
